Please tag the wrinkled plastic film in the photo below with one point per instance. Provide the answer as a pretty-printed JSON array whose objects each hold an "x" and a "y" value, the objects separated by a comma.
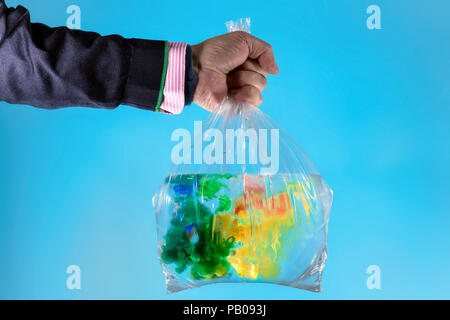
[{"x": 240, "y": 221}]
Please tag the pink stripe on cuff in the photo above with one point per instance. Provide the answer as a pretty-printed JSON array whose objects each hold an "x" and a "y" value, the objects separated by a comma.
[{"x": 173, "y": 93}]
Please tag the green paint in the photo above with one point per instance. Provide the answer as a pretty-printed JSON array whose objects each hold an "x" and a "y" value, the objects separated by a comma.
[
  {"x": 207, "y": 259},
  {"x": 224, "y": 204},
  {"x": 209, "y": 186}
]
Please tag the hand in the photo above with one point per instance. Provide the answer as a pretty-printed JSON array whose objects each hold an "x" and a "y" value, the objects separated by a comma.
[{"x": 234, "y": 64}]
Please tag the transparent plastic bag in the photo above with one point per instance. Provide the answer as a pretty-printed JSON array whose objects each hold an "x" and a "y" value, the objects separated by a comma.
[{"x": 243, "y": 204}]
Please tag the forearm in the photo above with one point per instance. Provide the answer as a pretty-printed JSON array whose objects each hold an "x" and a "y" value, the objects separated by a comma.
[{"x": 58, "y": 67}]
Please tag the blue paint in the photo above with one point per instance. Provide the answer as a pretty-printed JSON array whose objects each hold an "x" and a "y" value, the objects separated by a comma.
[{"x": 182, "y": 189}]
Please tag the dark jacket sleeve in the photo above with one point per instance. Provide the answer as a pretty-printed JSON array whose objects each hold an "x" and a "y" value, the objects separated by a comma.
[{"x": 58, "y": 67}]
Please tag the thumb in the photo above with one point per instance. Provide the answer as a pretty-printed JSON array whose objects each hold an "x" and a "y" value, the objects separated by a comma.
[{"x": 263, "y": 52}]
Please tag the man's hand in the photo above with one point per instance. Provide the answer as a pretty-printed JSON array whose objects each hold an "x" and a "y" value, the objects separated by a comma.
[{"x": 234, "y": 64}]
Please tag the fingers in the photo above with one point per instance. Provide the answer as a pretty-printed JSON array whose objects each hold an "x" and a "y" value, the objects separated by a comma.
[
  {"x": 253, "y": 65},
  {"x": 263, "y": 52},
  {"x": 248, "y": 94},
  {"x": 235, "y": 64},
  {"x": 242, "y": 78},
  {"x": 246, "y": 82}
]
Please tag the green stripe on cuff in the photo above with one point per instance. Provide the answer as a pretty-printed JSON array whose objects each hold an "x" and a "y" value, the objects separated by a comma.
[{"x": 163, "y": 75}]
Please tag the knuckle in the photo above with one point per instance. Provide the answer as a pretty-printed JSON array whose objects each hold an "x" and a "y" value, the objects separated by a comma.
[{"x": 241, "y": 34}]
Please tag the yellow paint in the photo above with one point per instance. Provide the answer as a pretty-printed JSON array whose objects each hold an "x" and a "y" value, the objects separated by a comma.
[
  {"x": 258, "y": 224},
  {"x": 304, "y": 191},
  {"x": 258, "y": 230}
]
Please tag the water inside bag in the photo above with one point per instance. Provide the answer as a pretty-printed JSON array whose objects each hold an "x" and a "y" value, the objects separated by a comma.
[{"x": 242, "y": 227}]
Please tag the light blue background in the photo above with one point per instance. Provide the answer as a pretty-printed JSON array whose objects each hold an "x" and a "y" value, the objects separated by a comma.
[{"x": 371, "y": 107}]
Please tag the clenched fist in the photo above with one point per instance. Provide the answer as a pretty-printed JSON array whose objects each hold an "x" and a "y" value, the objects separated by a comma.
[{"x": 235, "y": 64}]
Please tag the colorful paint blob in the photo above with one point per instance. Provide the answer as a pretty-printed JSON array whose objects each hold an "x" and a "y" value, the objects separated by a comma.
[{"x": 238, "y": 226}]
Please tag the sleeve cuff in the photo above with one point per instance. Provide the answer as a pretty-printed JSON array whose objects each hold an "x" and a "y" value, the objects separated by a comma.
[
  {"x": 174, "y": 87},
  {"x": 147, "y": 73}
]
